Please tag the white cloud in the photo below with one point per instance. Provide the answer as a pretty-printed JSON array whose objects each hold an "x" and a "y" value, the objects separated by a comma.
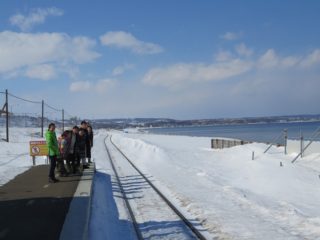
[
  {"x": 290, "y": 61},
  {"x": 26, "y": 49},
  {"x": 43, "y": 72},
  {"x": 181, "y": 74},
  {"x": 35, "y": 17},
  {"x": 81, "y": 50},
  {"x": 119, "y": 70},
  {"x": 231, "y": 36},
  {"x": 223, "y": 56},
  {"x": 80, "y": 86},
  {"x": 270, "y": 60},
  {"x": 104, "y": 85},
  {"x": 227, "y": 66},
  {"x": 100, "y": 86},
  {"x": 311, "y": 59},
  {"x": 243, "y": 50},
  {"x": 126, "y": 40}
]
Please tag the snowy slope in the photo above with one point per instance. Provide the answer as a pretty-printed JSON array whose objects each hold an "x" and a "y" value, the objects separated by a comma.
[{"x": 232, "y": 194}]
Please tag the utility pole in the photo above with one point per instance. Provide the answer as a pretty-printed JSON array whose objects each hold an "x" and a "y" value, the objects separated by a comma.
[
  {"x": 285, "y": 140},
  {"x": 7, "y": 116},
  {"x": 62, "y": 120},
  {"x": 42, "y": 118}
]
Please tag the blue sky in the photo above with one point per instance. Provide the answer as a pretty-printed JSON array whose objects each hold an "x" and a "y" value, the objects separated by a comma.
[{"x": 179, "y": 59}]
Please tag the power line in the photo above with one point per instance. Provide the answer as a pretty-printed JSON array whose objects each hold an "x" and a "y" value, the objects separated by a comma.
[
  {"x": 36, "y": 102},
  {"x": 55, "y": 109},
  {"x": 6, "y": 93}
]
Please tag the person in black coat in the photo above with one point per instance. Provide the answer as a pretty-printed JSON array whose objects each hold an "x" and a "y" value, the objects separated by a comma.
[
  {"x": 83, "y": 127},
  {"x": 77, "y": 156},
  {"x": 71, "y": 150},
  {"x": 81, "y": 143},
  {"x": 90, "y": 144}
]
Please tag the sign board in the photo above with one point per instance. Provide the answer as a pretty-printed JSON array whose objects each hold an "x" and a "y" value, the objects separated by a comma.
[{"x": 38, "y": 148}]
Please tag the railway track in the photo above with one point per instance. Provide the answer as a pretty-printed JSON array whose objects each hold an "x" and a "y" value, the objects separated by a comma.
[{"x": 145, "y": 202}]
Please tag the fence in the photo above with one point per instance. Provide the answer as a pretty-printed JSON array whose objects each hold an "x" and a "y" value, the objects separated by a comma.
[
  {"x": 21, "y": 112},
  {"x": 300, "y": 146},
  {"x": 297, "y": 146},
  {"x": 308, "y": 148},
  {"x": 220, "y": 143}
]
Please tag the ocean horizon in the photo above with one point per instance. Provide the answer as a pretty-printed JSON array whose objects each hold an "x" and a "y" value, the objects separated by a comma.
[{"x": 257, "y": 132}]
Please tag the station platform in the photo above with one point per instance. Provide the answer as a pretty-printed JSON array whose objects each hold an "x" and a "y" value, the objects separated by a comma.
[{"x": 33, "y": 208}]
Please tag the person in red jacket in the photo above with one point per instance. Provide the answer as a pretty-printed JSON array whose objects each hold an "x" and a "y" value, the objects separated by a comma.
[{"x": 64, "y": 143}]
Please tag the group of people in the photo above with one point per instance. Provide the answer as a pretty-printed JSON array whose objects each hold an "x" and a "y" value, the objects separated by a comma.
[{"x": 71, "y": 152}]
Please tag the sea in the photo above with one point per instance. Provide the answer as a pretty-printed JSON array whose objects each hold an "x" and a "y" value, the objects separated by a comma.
[{"x": 260, "y": 132}]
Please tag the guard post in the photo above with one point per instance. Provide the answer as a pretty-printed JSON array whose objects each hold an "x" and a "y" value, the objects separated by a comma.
[
  {"x": 38, "y": 148},
  {"x": 285, "y": 140}
]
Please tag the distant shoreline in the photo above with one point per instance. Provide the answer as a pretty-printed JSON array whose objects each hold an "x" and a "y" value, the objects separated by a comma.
[
  {"x": 123, "y": 123},
  {"x": 231, "y": 124},
  {"x": 254, "y": 132}
]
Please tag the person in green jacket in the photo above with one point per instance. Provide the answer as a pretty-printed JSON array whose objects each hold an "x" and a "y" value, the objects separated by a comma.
[{"x": 53, "y": 147}]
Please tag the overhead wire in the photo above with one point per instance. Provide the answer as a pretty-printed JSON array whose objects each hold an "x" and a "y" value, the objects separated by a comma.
[
  {"x": 55, "y": 109},
  {"x": 35, "y": 102},
  {"x": 26, "y": 100}
]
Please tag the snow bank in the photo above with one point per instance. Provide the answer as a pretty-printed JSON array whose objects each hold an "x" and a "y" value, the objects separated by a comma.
[{"x": 232, "y": 194}]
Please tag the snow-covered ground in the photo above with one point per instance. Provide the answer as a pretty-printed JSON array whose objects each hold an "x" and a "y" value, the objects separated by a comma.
[
  {"x": 14, "y": 156},
  {"x": 233, "y": 196}
]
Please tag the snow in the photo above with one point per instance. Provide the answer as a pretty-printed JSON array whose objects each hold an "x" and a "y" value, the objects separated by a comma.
[
  {"x": 109, "y": 218},
  {"x": 231, "y": 195},
  {"x": 14, "y": 156}
]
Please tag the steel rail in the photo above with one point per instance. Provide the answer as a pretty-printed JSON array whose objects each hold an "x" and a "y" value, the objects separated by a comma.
[
  {"x": 182, "y": 217},
  {"x": 134, "y": 221}
]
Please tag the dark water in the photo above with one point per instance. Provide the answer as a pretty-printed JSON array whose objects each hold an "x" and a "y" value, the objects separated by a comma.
[{"x": 267, "y": 132}]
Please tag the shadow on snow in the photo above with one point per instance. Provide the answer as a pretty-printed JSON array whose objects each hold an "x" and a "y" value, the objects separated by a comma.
[{"x": 106, "y": 223}]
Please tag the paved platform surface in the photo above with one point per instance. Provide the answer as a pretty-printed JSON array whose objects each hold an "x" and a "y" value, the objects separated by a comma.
[{"x": 32, "y": 208}]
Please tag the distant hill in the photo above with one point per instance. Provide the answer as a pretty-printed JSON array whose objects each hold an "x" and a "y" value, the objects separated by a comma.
[
  {"x": 121, "y": 123},
  {"x": 166, "y": 122}
]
